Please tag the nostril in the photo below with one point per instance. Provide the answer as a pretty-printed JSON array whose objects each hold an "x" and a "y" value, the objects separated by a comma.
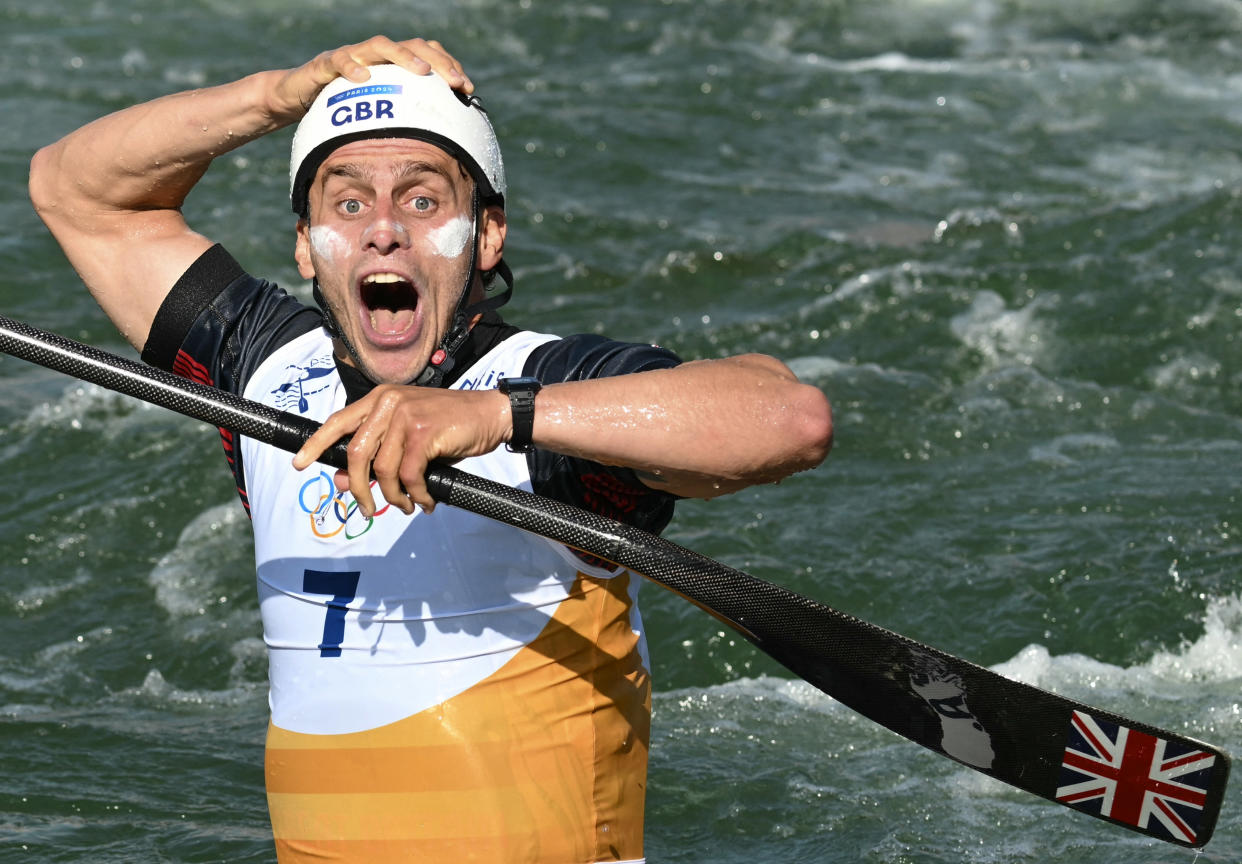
[{"x": 386, "y": 234}]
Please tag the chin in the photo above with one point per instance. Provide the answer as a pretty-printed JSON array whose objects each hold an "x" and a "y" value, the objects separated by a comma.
[
  {"x": 388, "y": 372},
  {"x": 386, "y": 367}
]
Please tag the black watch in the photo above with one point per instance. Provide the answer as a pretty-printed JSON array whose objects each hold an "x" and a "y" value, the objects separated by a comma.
[{"x": 521, "y": 393}]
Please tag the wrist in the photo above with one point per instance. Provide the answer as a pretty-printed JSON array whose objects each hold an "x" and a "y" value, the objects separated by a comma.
[
  {"x": 521, "y": 393},
  {"x": 279, "y": 105}
]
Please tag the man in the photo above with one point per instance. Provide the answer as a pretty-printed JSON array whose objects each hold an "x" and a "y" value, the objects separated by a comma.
[{"x": 443, "y": 688}]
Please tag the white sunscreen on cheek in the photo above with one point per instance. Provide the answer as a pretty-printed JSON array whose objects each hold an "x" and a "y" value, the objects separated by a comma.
[
  {"x": 450, "y": 239},
  {"x": 326, "y": 242}
]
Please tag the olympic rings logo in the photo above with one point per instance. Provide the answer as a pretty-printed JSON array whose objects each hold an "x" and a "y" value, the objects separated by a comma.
[{"x": 332, "y": 512}]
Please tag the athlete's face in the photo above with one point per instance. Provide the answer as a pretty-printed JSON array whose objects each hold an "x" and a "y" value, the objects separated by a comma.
[{"x": 389, "y": 239}]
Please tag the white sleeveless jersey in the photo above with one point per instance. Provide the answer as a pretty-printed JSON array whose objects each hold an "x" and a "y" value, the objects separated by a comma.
[{"x": 443, "y": 687}]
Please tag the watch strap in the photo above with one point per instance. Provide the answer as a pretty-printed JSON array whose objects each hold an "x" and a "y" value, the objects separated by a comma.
[{"x": 521, "y": 393}]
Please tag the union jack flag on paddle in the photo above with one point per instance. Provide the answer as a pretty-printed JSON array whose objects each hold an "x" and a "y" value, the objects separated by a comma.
[{"x": 1152, "y": 784}]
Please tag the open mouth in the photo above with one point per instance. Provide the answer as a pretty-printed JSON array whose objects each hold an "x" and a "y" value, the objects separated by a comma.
[{"x": 390, "y": 302}]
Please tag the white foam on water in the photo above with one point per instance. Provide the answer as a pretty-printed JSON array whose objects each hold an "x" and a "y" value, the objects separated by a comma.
[
  {"x": 1215, "y": 658},
  {"x": 1065, "y": 450},
  {"x": 35, "y": 596},
  {"x": 54, "y": 667},
  {"x": 893, "y": 61},
  {"x": 187, "y": 579},
  {"x": 819, "y": 368},
  {"x": 1194, "y": 689},
  {"x": 814, "y": 368},
  {"x": 1184, "y": 372},
  {"x": 1002, "y": 335},
  {"x": 1143, "y": 175},
  {"x": 83, "y": 405},
  {"x": 864, "y": 284},
  {"x": 156, "y": 689}
]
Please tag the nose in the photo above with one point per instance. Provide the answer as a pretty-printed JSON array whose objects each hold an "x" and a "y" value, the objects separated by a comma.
[{"x": 385, "y": 233}]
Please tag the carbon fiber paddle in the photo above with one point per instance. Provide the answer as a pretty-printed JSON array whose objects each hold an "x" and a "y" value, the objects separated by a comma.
[{"x": 1166, "y": 786}]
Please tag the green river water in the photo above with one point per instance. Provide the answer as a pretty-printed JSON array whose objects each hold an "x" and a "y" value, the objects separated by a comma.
[{"x": 1002, "y": 236}]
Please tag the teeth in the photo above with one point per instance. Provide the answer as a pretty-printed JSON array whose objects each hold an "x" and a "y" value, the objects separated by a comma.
[{"x": 383, "y": 278}]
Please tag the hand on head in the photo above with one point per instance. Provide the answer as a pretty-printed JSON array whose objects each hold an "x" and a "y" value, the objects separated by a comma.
[{"x": 300, "y": 86}]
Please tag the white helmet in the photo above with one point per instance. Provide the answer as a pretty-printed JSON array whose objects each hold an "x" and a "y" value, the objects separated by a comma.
[{"x": 396, "y": 103}]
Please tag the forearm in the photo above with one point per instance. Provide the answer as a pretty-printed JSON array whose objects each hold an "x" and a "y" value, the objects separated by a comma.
[
  {"x": 699, "y": 430},
  {"x": 148, "y": 157}
]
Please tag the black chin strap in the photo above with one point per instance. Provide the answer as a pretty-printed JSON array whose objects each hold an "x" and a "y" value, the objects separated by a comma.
[{"x": 330, "y": 324}]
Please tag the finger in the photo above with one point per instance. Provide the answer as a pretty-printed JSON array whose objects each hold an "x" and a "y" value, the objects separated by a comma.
[
  {"x": 366, "y": 442},
  {"x": 413, "y": 478},
  {"x": 387, "y": 465},
  {"x": 455, "y": 66},
  {"x": 351, "y": 62},
  {"x": 359, "y": 474},
  {"x": 416, "y": 55},
  {"x": 334, "y": 429},
  {"x": 434, "y": 57}
]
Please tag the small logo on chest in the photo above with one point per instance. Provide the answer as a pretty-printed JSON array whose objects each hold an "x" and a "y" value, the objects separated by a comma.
[{"x": 302, "y": 383}]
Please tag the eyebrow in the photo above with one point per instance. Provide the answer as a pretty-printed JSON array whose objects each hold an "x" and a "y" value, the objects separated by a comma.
[{"x": 412, "y": 168}]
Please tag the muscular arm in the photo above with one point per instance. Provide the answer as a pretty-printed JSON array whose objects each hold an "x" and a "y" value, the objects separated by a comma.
[
  {"x": 111, "y": 192},
  {"x": 698, "y": 430}
]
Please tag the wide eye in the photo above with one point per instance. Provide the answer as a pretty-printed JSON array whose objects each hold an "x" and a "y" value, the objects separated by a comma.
[
  {"x": 422, "y": 204},
  {"x": 351, "y": 206}
]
